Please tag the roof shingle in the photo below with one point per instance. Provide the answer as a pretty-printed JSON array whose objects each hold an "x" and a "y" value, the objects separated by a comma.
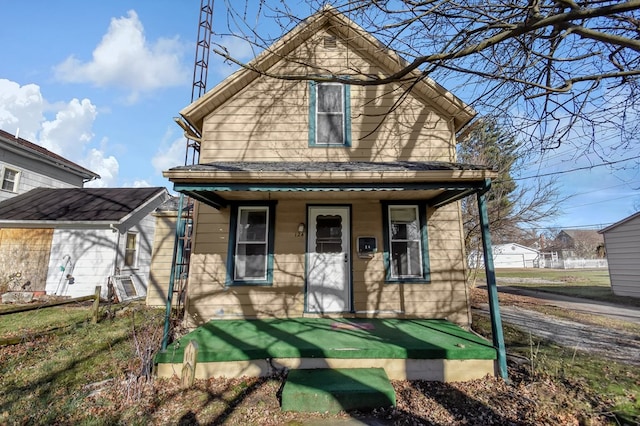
[{"x": 76, "y": 204}]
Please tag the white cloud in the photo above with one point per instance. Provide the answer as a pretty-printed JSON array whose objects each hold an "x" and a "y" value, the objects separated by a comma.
[
  {"x": 124, "y": 58},
  {"x": 106, "y": 167},
  {"x": 71, "y": 129},
  {"x": 140, "y": 183},
  {"x": 69, "y": 133},
  {"x": 21, "y": 107},
  {"x": 169, "y": 154}
]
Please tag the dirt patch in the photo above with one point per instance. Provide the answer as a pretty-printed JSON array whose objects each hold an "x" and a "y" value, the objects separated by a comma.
[{"x": 253, "y": 401}]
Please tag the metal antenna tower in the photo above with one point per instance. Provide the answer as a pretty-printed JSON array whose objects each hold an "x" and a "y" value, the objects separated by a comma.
[{"x": 184, "y": 222}]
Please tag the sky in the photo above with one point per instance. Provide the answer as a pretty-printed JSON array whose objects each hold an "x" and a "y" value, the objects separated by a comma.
[{"x": 100, "y": 82}]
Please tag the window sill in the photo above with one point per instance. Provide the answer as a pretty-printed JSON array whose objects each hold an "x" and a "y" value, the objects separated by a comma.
[
  {"x": 249, "y": 284},
  {"x": 408, "y": 281}
]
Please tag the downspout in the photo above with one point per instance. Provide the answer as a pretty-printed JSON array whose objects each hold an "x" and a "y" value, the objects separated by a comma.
[
  {"x": 492, "y": 290},
  {"x": 172, "y": 276}
]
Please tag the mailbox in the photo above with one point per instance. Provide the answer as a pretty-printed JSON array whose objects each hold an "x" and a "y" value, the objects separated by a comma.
[{"x": 367, "y": 246}]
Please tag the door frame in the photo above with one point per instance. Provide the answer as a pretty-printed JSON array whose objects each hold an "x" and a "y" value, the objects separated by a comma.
[{"x": 349, "y": 306}]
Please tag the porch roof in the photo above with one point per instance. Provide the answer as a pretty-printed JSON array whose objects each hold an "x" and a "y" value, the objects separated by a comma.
[{"x": 440, "y": 183}]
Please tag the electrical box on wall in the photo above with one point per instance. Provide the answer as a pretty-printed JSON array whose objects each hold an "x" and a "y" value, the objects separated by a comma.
[{"x": 367, "y": 247}]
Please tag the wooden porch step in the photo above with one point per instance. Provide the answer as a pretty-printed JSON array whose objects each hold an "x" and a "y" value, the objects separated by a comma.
[{"x": 333, "y": 390}]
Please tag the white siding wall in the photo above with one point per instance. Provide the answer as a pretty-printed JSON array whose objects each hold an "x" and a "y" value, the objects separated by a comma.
[
  {"x": 33, "y": 174},
  {"x": 623, "y": 253},
  {"x": 92, "y": 259},
  {"x": 91, "y": 255}
]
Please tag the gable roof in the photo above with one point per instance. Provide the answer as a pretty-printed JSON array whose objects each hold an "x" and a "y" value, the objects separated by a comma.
[
  {"x": 620, "y": 222},
  {"x": 24, "y": 147},
  {"x": 429, "y": 91},
  {"x": 504, "y": 248},
  {"x": 68, "y": 207},
  {"x": 583, "y": 234}
]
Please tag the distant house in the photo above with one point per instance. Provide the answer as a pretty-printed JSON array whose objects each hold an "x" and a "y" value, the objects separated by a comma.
[
  {"x": 511, "y": 255},
  {"x": 25, "y": 166},
  {"x": 622, "y": 240},
  {"x": 67, "y": 241},
  {"x": 578, "y": 243}
]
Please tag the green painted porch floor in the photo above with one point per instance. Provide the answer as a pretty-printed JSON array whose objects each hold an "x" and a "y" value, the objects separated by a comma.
[{"x": 239, "y": 340}]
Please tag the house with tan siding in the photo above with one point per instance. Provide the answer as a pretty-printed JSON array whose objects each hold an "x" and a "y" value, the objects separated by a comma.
[
  {"x": 622, "y": 243},
  {"x": 326, "y": 199}
]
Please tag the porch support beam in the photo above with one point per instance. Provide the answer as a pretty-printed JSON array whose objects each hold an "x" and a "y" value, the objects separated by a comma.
[
  {"x": 492, "y": 290},
  {"x": 451, "y": 196},
  {"x": 209, "y": 198}
]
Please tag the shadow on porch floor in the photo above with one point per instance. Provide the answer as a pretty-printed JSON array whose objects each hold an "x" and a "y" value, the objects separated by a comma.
[{"x": 405, "y": 348}]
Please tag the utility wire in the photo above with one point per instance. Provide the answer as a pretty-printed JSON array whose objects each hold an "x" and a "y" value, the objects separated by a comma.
[{"x": 608, "y": 163}]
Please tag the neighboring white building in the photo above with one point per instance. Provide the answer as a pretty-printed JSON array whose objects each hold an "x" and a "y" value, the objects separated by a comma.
[
  {"x": 25, "y": 166},
  {"x": 509, "y": 255},
  {"x": 67, "y": 241},
  {"x": 622, "y": 243}
]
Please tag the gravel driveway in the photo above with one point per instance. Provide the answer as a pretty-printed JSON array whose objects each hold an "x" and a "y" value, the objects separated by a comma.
[{"x": 614, "y": 344}]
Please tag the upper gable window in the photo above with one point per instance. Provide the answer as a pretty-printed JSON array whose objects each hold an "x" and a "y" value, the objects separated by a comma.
[
  {"x": 330, "y": 118},
  {"x": 10, "y": 179}
]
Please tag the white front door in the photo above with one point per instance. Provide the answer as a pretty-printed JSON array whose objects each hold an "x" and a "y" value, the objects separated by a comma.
[{"x": 328, "y": 259}]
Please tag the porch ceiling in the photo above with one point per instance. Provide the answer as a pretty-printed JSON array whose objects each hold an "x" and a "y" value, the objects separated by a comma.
[{"x": 439, "y": 183}]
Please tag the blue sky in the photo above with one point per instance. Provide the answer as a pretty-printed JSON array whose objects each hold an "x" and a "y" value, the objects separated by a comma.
[{"x": 100, "y": 83}]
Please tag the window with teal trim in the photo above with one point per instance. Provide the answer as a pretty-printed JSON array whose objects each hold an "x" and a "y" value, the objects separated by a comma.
[
  {"x": 329, "y": 114},
  {"x": 251, "y": 245},
  {"x": 405, "y": 242}
]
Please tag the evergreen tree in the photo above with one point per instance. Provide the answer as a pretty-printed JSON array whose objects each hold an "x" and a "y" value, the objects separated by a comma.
[{"x": 511, "y": 207}]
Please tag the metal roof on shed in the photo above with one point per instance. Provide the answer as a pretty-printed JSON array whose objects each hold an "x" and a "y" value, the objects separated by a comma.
[{"x": 76, "y": 204}]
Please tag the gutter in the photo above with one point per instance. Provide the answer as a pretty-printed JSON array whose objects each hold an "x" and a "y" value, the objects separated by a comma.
[{"x": 35, "y": 155}]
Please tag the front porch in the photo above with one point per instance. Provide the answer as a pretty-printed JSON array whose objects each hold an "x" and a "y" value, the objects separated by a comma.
[{"x": 425, "y": 349}]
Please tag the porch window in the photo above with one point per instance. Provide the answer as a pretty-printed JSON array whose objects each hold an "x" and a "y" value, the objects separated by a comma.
[
  {"x": 252, "y": 239},
  {"x": 405, "y": 242},
  {"x": 10, "y": 179},
  {"x": 329, "y": 115}
]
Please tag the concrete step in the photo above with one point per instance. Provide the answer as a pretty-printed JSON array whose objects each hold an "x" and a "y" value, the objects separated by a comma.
[{"x": 333, "y": 390}]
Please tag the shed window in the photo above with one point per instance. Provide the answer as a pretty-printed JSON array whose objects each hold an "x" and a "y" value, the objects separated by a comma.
[{"x": 131, "y": 250}]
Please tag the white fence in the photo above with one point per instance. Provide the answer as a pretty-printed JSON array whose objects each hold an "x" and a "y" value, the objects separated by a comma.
[{"x": 574, "y": 263}]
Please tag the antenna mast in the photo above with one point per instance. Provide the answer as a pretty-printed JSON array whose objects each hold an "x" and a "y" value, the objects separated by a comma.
[{"x": 184, "y": 222}]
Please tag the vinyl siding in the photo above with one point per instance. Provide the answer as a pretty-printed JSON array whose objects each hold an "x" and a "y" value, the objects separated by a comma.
[
  {"x": 623, "y": 255},
  {"x": 144, "y": 230},
  {"x": 92, "y": 256},
  {"x": 269, "y": 121},
  {"x": 210, "y": 298},
  {"x": 161, "y": 259},
  {"x": 34, "y": 174}
]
